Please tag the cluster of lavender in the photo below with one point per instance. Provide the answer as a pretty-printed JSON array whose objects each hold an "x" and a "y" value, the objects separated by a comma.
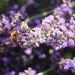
[
  {"x": 60, "y": 26},
  {"x": 9, "y": 25},
  {"x": 67, "y": 64},
  {"x": 57, "y": 30}
]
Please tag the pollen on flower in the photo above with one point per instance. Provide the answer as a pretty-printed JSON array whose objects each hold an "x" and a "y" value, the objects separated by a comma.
[{"x": 14, "y": 35}]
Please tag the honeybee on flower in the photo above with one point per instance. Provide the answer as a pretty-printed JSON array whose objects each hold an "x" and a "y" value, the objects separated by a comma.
[{"x": 24, "y": 25}]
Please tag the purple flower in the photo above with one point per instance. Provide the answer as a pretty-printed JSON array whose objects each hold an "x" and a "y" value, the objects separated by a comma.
[
  {"x": 28, "y": 51},
  {"x": 68, "y": 64},
  {"x": 73, "y": 69},
  {"x": 28, "y": 72},
  {"x": 71, "y": 43},
  {"x": 6, "y": 23},
  {"x": 15, "y": 6},
  {"x": 37, "y": 22},
  {"x": 6, "y": 59},
  {"x": 10, "y": 73}
]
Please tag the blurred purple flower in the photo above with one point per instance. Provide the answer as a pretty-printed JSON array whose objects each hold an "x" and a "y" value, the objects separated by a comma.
[
  {"x": 6, "y": 59},
  {"x": 71, "y": 43},
  {"x": 28, "y": 51},
  {"x": 68, "y": 64},
  {"x": 10, "y": 73}
]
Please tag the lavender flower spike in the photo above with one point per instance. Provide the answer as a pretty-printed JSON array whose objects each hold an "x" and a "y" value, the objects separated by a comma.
[
  {"x": 55, "y": 31},
  {"x": 68, "y": 64}
]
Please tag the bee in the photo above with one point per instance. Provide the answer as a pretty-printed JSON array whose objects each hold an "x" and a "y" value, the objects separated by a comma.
[
  {"x": 24, "y": 25},
  {"x": 14, "y": 35}
]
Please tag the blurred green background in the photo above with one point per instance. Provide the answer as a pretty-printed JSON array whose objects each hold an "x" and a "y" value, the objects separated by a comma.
[{"x": 43, "y": 4}]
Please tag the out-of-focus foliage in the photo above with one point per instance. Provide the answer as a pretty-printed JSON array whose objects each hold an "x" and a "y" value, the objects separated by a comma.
[{"x": 73, "y": 3}]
